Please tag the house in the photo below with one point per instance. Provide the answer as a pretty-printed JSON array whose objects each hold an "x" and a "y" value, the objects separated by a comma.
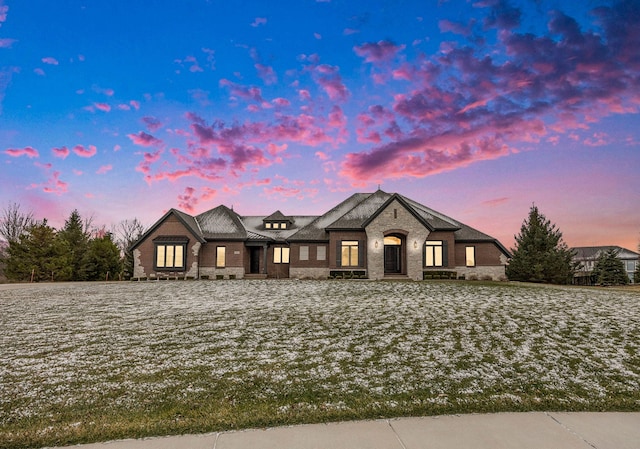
[
  {"x": 587, "y": 256},
  {"x": 368, "y": 235}
]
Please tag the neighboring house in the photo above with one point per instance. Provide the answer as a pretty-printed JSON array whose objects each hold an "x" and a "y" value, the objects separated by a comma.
[
  {"x": 587, "y": 256},
  {"x": 369, "y": 235}
]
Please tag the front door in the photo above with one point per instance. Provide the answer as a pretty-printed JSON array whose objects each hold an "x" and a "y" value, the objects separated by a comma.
[
  {"x": 254, "y": 260},
  {"x": 392, "y": 259},
  {"x": 393, "y": 254}
]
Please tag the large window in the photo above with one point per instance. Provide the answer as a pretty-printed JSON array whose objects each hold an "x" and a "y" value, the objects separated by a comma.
[
  {"x": 221, "y": 256},
  {"x": 321, "y": 253},
  {"x": 349, "y": 253},
  {"x": 280, "y": 254},
  {"x": 470, "y": 253},
  {"x": 434, "y": 253},
  {"x": 170, "y": 256}
]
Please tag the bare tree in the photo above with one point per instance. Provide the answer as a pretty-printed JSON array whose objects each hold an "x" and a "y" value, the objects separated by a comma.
[
  {"x": 127, "y": 232},
  {"x": 14, "y": 222}
]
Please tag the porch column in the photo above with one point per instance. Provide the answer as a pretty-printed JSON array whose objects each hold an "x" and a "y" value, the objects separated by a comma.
[{"x": 264, "y": 258}]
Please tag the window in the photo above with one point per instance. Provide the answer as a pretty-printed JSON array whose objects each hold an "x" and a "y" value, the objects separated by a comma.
[
  {"x": 321, "y": 253},
  {"x": 470, "y": 252},
  {"x": 267, "y": 225},
  {"x": 280, "y": 254},
  {"x": 349, "y": 253},
  {"x": 221, "y": 256},
  {"x": 631, "y": 265},
  {"x": 170, "y": 256},
  {"x": 304, "y": 253},
  {"x": 283, "y": 225},
  {"x": 433, "y": 254}
]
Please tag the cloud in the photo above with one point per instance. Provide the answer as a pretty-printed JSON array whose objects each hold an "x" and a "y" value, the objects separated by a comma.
[
  {"x": 104, "y": 169},
  {"x": 496, "y": 201},
  {"x": 81, "y": 151},
  {"x": 104, "y": 107},
  {"x": 267, "y": 73},
  {"x": 27, "y": 151},
  {"x": 377, "y": 52},
  {"x": 7, "y": 43},
  {"x": 144, "y": 140},
  {"x": 329, "y": 79},
  {"x": 50, "y": 60},
  {"x": 55, "y": 185},
  {"x": 470, "y": 103},
  {"x": 246, "y": 93},
  {"x": 152, "y": 123},
  {"x": 61, "y": 152},
  {"x": 3, "y": 13},
  {"x": 259, "y": 21}
]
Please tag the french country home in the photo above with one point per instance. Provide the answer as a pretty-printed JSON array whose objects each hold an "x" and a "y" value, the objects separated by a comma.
[{"x": 376, "y": 235}]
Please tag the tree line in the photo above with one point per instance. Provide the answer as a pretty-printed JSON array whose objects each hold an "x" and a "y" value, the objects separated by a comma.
[{"x": 34, "y": 251}]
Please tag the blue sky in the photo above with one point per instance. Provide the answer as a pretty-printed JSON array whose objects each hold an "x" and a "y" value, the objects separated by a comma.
[{"x": 475, "y": 108}]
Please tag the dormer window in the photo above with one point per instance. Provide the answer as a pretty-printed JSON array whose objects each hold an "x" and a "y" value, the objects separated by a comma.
[{"x": 278, "y": 220}]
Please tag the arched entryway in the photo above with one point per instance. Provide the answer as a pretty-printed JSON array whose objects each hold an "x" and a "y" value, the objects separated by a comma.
[{"x": 394, "y": 249}]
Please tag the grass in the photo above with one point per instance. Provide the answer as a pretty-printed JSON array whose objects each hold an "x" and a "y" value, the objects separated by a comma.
[{"x": 92, "y": 362}]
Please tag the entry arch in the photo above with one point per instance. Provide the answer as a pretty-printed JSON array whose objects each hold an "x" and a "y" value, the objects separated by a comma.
[{"x": 395, "y": 252}]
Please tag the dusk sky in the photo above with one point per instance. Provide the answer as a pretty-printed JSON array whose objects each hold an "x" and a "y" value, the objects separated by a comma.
[{"x": 475, "y": 108}]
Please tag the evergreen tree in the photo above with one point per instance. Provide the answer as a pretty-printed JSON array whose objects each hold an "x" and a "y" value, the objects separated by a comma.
[
  {"x": 609, "y": 270},
  {"x": 540, "y": 254},
  {"x": 76, "y": 239},
  {"x": 38, "y": 254},
  {"x": 101, "y": 259}
]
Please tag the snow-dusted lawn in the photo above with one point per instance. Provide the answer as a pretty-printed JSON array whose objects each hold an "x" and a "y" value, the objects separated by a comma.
[{"x": 91, "y": 361}]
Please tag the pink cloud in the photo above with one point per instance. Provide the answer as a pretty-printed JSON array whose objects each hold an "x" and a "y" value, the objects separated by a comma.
[
  {"x": 49, "y": 60},
  {"x": 7, "y": 43},
  {"x": 81, "y": 151},
  {"x": 27, "y": 151},
  {"x": 282, "y": 102},
  {"x": 267, "y": 73},
  {"x": 3, "y": 13},
  {"x": 152, "y": 123},
  {"x": 329, "y": 79},
  {"x": 104, "y": 107},
  {"x": 246, "y": 93},
  {"x": 124, "y": 107},
  {"x": 376, "y": 52},
  {"x": 259, "y": 21},
  {"x": 144, "y": 140},
  {"x": 55, "y": 185},
  {"x": 39, "y": 71},
  {"x": 135, "y": 104},
  {"x": 104, "y": 169},
  {"x": 455, "y": 27},
  {"x": 496, "y": 202},
  {"x": 61, "y": 152},
  {"x": 350, "y": 31}
]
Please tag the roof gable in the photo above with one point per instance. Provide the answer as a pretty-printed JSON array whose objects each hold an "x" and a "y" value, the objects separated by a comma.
[
  {"x": 187, "y": 221},
  {"x": 221, "y": 223}
]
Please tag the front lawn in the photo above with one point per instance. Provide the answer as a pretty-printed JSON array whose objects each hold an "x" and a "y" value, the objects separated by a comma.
[{"x": 94, "y": 361}]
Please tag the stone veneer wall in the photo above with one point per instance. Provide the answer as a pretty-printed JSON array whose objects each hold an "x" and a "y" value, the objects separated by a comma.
[
  {"x": 495, "y": 272},
  {"x": 401, "y": 222},
  {"x": 309, "y": 273},
  {"x": 226, "y": 272}
]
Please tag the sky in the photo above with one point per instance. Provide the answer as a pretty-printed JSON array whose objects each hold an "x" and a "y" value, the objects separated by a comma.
[{"x": 476, "y": 108}]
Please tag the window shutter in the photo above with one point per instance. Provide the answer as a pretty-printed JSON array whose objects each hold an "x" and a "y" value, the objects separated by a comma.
[
  {"x": 360, "y": 253},
  {"x": 338, "y": 254},
  {"x": 445, "y": 253}
]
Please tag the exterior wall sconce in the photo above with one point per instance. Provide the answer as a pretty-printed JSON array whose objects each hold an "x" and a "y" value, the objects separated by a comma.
[
  {"x": 376, "y": 244},
  {"x": 415, "y": 244}
]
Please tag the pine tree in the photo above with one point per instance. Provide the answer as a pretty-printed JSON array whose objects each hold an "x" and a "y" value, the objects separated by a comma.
[
  {"x": 609, "y": 269},
  {"x": 101, "y": 260},
  {"x": 76, "y": 240},
  {"x": 540, "y": 254},
  {"x": 39, "y": 255}
]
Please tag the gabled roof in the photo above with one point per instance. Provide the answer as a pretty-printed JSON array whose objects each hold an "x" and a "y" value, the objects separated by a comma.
[
  {"x": 221, "y": 223},
  {"x": 255, "y": 227},
  {"x": 188, "y": 221},
  {"x": 277, "y": 216},
  {"x": 316, "y": 229},
  {"x": 593, "y": 252}
]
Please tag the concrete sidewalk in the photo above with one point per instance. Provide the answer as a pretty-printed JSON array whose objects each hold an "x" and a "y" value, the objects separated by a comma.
[{"x": 492, "y": 431}]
